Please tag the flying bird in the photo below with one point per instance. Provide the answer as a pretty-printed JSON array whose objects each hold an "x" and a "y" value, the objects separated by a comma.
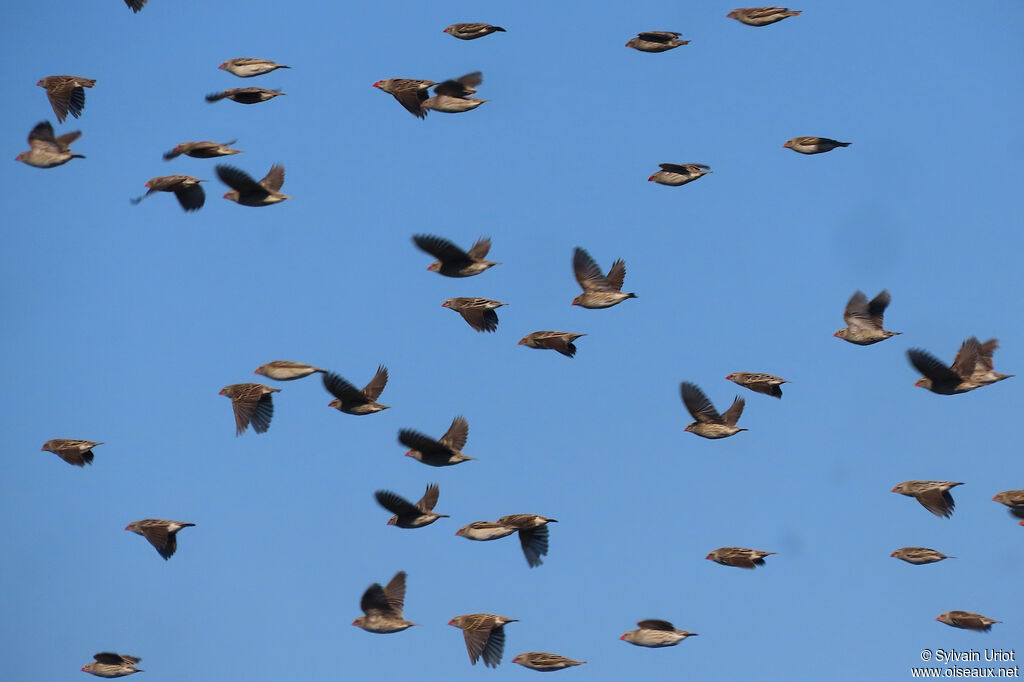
[
  {"x": 984, "y": 371},
  {"x": 1013, "y": 499},
  {"x": 47, "y": 151},
  {"x": 286, "y": 370},
  {"x": 962, "y": 376},
  {"x": 919, "y": 555},
  {"x": 186, "y": 189},
  {"x": 410, "y": 93},
  {"x": 533, "y": 535},
  {"x": 740, "y": 557},
  {"x": 74, "y": 452},
  {"x": 559, "y": 341},
  {"x": 761, "y": 16},
  {"x": 814, "y": 145},
  {"x": 247, "y": 192},
  {"x": 244, "y": 95},
  {"x": 676, "y": 174},
  {"x": 864, "y": 319},
  {"x": 407, "y": 514},
  {"x": 933, "y": 495},
  {"x": 453, "y": 96},
  {"x": 655, "y": 634},
  {"x": 485, "y": 636},
  {"x": 759, "y": 383},
  {"x": 482, "y": 531},
  {"x": 109, "y": 664},
  {"x": 351, "y": 400},
  {"x": 66, "y": 94},
  {"x": 247, "y": 67},
  {"x": 161, "y": 534},
  {"x": 251, "y": 403},
  {"x": 471, "y": 31},
  {"x": 543, "y": 662},
  {"x": 383, "y": 607},
  {"x": 453, "y": 261},
  {"x": 967, "y": 620},
  {"x": 710, "y": 424},
  {"x": 445, "y": 451},
  {"x": 477, "y": 312},
  {"x": 656, "y": 41},
  {"x": 599, "y": 290},
  {"x": 202, "y": 150}
]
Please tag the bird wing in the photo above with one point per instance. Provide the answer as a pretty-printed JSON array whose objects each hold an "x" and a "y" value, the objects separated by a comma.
[
  {"x": 456, "y": 435},
  {"x": 476, "y": 642},
  {"x": 217, "y": 96},
  {"x": 938, "y": 502},
  {"x": 191, "y": 197},
  {"x": 166, "y": 544},
  {"x": 237, "y": 179},
  {"x": 856, "y": 313},
  {"x": 732, "y": 415},
  {"x": 658, "y": 36},
  {"x": 683, "y": 168},
  {"x": 411, "y": 95},
  {"x": 698, "y": 405},
  {"x": 274, "y": 178},
  {"x": 479, "y": 318},
  {"x": 425, "y": 444},
  {"x": 967, "y": 357},
  {"x": 396, "y": 504},
  {"x": 616, "y": 274},
  {"x": 109, "y": 658},
  {"x": 933, "y": 368},
  {"x": 655, "y": 624},
  {"x": 985, "y": 352},
  {"x": 67, "y": 138},
  {"x": 877, "y": 306},
  {"x": 429, "y": 499},
  {"x": 41, "y": 136},
  {"x": 263, "y": 412},
  {"x": 588, "y": 273},
  {"x": 395, "y": 593},
  {"x": 442, "y": 249},
  {"x": 480, "y": 249},
  {"x": 535, "y": 545},
  {"x": 494, "y": 647},
  {"x": 376, "y": 386},
  {"x": 341, "y": 389},
  {"x": 460, "y": 87},
  {"x": 375, "y": 601}
]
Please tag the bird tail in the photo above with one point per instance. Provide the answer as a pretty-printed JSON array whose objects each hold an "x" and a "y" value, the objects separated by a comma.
[
  {"x": 499, "y": 28},
  {"x": 845, "y": 144}
]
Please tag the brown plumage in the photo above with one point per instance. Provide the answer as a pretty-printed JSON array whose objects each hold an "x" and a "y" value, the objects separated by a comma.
[
  {"x": 676, "y": 174},
  {"x": 407, "y": 514},
  {"x": 251, "y": 403},
  {"x": 710, "y": 424},
  {"x": 286, "y": 370},
  {"x": 445, "y": 451},
  {"x": 485, "y": 636},
  {"x": 247, "y": 67},
  {"x": 919, "y": 555},
  {"x": 544, "y": 662},
  {"x": 1013, "y": 499},
  {"x": 351, "y": 400},
  {"x": 482, "y": 531},
  {"x": 110, "y": 665},
  {"x": 655, "y": 634},
  {"x": 967, "y": 620},
  {"x": 962, "y": 376},
  {"x": 759, "y": 383},
  {"x": 740, "y": 557},
  {"x": 163, "y": 535},
  {"x": 453, "y": 261},
  {"x": 471, "y": 31},
  {"x": 66, "y": 94},
  {"x": 599, "y": 290},
  {"x": 864, "y": 319},
  {"x": 453, "y": 96},
  {"x": 244, "y": 95},
  {"x": 933, "y": 495},
  {"x": 247, "y": 192},
  {"x": 477, "y": 312},
  {"x": 656, "y": 41},
  {"x": 383, "y": 607},
  {"x": 47, "y": 151},
  {"x": 814, "y": 145},
  {"x": 984, "y": 371},
  {"x": 761, "y": 16},
  {"x": 201, "y": 150},
  {"x": 186, "y": 189},
  {"x": 75, "y": 452},
  {"x": 559, "y": 341},
  {"x": 533, "y": 535},
  {"x": 410, "y": 93}
]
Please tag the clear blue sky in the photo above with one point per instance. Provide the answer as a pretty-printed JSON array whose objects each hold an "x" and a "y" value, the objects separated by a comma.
[{"x": 123, "y": 322}]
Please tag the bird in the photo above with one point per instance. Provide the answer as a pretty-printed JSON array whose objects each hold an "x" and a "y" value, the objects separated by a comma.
[
  {"x": 485, "y": 636},
  {"x": 559, "y": 341},
  {"x": 186, "y": 189},
  {"x": 383, "y": 607},
  {"x": 247, "y": 67},
  {"x": 1014, "y": 499},
  {"x": 351, "y": 400},
  {"x": 599, "y": 290},
  {"x": 864, "y": 319},
  {"x": 410, "y": 93},
  {"x": 740, "y": 557},
  {"x": 161, "y": 534},
  {"x": 933, "y": 495},
  {"x": 286, "y": 370},
  {"x": 477, "y": 312},
  {"x": 47, "y": 151},
  {"x": 814, "y": 145},
  {"x": 109, "y": 664},
  {"x": 761, "y": 16},
  {"x": 543, "y": 662},
  {"x": 201, "y": 150},
  {"x": 759, "y": 383},
  {"x": 453, "y": 261},
  {"x": 135, "y": 5},
  {"x": 247, "y": 192},
  {"x": 471, "y": 31},
  {"x": 66, "y": 94},
  {"x": 962, "y": 376},
  {"x": 244, "y": 95},
  {"x": 407, "y": 514},
  {"x": 75, "y": 452},
  {"x": 919, "y": 555},
  {"x": 533, "y": 535},
  {"x": 482, "y": 531},
  {"x": 445, "y": 451},
  {"x": 710, "y": 424},
  {"x": 453, "y": 96},
  {"x": 984, "y": 371},
  {"x": 967, "y": 620},
  {"x": 656, "y": 41},
  {"x": 676, "y": 174},
  {"x": 655, "y": 634},
  {"x": 251, "y": 403}
]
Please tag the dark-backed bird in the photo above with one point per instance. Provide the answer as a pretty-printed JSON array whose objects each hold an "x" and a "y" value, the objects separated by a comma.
[
  {"x": 247, "y": 192},
  {"x": 383, "y": 606},
  {"x": 244, "y": 95},
  {"x": 472, "y": 30},
  {"x": 445, "y": 451},
  {"x": 66, "y": 94},
  {"x": 407, "y": 514},
  {"x": 768, "y": 384},
  {"x": 656, "y": 41},
  {"x": 813, "y": 145},
  {"x": 111, "y": 665},
  {"x": 186, "y": 189},
  {"x": 708, "y": 423},
  {"x": 676, "y": 174},
  {"x": 453, "y": 261},
  {"x": 655, "y": 634},
  {"x": 201, "y": 150},
  {"x": 75, "y": 452},
  {"x": 351, "y": 400}
]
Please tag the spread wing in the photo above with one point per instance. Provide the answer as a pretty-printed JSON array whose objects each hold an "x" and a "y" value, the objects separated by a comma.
[
  {"x": 443, "y": 250},
  {"x": 456, "y": 435},
  {"x": 587, "y": 272},
  {"x": 616, "y": 274},
  {"x": 535, "y": 545},
  {"x": 856, "y": 312},
  {"x": 938, "y": 502},
  {"x": 395, "y": 593},
  {"x": 375, "y": 601},
  {"x": 396, "y": 504},
  {"x": 480, "y": 249},
  {"x": 429, "y": 499},
  {"x": 166, "y": 543},
  {"x": 698, "y": 405},
  {"x": 425, "y": 444},
  {"x": 376, "y": 386},
  {"x": 732, "y": 415},
  {"x": 238, "y": 180},
  {"x": 341, "y": 389},
  {"x": 274, "y": 178},
  {"x": 460, "y": 87},
  {"x": 930, "y": 366},
  {"x": 967, "y": 357},
  {"x": 494, "y": 647}
]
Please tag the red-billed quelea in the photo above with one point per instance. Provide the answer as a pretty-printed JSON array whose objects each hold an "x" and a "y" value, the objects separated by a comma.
[
  {"x": 252, "y": 403},
  {"x": 1013, "y": 499},
  {"x": 919, "y": 555},
  {"x": 759, "y": 383},
  {"x": 410, "y": 93},
  {"x": 599, "y": 290},
  {"x": 247, "y": 67},
  {"x": 865, "y": 319},
  {"x": 286, "y": 370},
  {"x": 453, "y": 261},
  {"x": 477, "y": 312},
  {"x": 110, "y": 665},
  {"x": 202, "y": 150},
  {"x": 559, "y": 341},
  {"x": 952, "y": 380},
  {"x": 967, "y": 620},
  {"x": 544, "y": 662},
  {"x": 443, "y": 452},
  {"x": 186, "y": 189},
  {"x": 244, "y": 95},
  {"x": 163, "y": 535},
  {"x": 676, "y": 174},
  {"x": 761, "y": 16},
  {"x": 656, "y": 41},
  {"x": 407, "y": 514},
  {"x": 247, "y": 192},
  {"x": 740, "y": 557},
  {"x": 655, "y": 634},
  {"x": 710, "y": 424},
  {"x": 814, "y": 145},
  {"x": 383, "y": 607},
  {"x": 533, "y": 535},
  {"x": 66, "y": 94},
  {"x": 482, "y": 531},
  {"x": 471, "y": 31},
  {"x": 74, "y": 452},
  {"x": 933, "y": 495},
  {"x": 47, "y": 151},
  {"x": 453, "y": 96},
  {"x": 351, "y": 400},
  {"x": 485, "y": 636},
  {"x": 984, "y": 371}
]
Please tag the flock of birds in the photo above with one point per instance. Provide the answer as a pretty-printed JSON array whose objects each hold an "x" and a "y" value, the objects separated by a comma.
[{"x": 252, "y": 403}]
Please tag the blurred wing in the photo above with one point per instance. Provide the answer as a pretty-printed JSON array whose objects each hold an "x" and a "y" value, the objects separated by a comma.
[
  {"x": 396, "y": 504},
  {"x": 67, "y": 138},
  {"x": 967, "y": 357},
  {"x": 456, "y": 435},
  {"x": 732, "y": 415},
  {"x": 481, "y": 248},
  {"x": 930, "y": 366},
  {"x": 417, "y": 441},
  {"x": 374, "y": 600},
  {"x": 476, "y": 642},
  {"x": 237, "y": 179},
  {"x": 877, "y": 306},
  {"x": 263, "y": 412},
  {"x": 616, "y": 274},
  {"x": 698, "y": 405},
  {"x": 442, "y": 249},
  {"x": 191, "y": 198},
  {"x": 494, "y": 647},
  {"x": 395, "y": 592},
  {"x": 655, "y": 624},
  {"x": 42, "y": 136},
  {"x": 535, "y": 545},
  {"x": 856, "y": 312},
  {"x": 341, "y": 389},
  {"x": 587, "y": 272},
  {"x": 658, "y": 36},
  {"x": 376, "y": 386}
]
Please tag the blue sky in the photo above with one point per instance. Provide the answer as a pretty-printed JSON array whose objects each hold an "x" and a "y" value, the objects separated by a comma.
[{"x": 123, "y": 322}]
